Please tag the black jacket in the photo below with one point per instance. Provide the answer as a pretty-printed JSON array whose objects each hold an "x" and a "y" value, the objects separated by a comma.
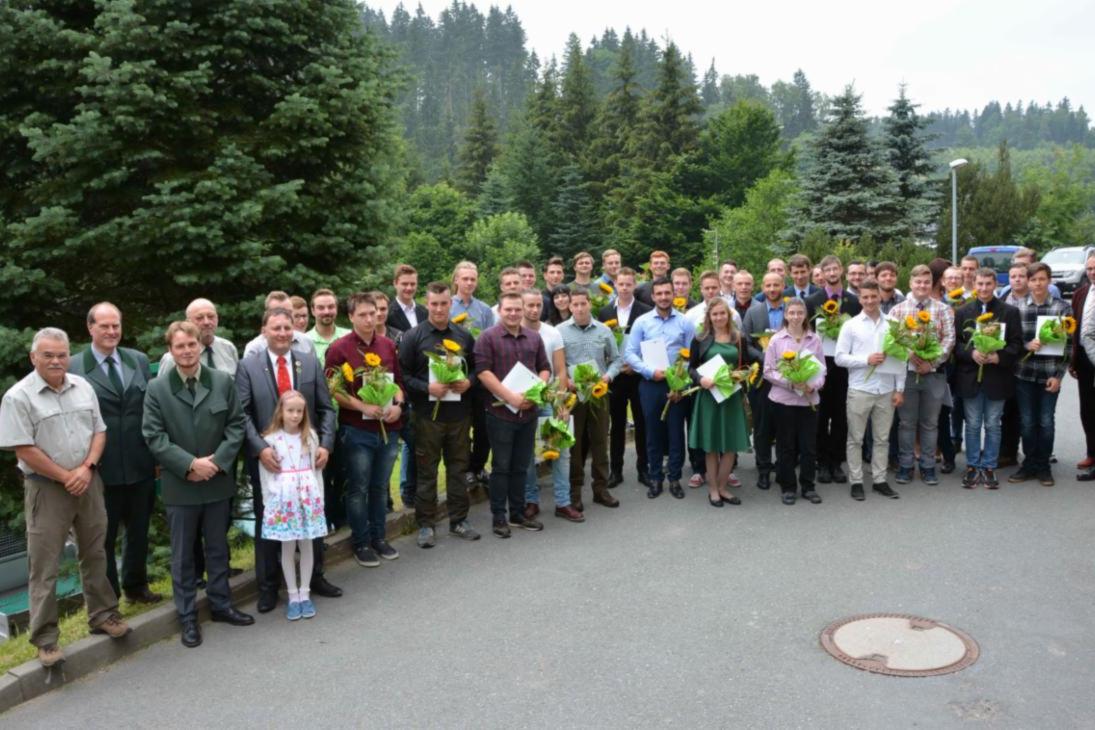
[
  {"x": 397, "y": 318},
  {"x": 637, "y": 310},
  {"x": 998, "y": 381}
]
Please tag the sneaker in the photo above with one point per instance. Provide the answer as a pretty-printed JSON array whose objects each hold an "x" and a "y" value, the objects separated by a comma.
[
  {"x": 733, "y": 480},
  {"x": 463, "y": 530},
  {"x": 904, "y": 475},
  {"x": 884, "y": 489},
  {"x": 928, "y": 477},
  {"x": 971, "y": 477},
  {"x": 114, "y": 627},
  {"x": 501, "y": 529},
  {"x": 365, "y": 557},
  {"x": 857, "y": 492},
  {"x": 385, "y": 550},
  {"x": 988, "y": 476},
  {"x": 293, "y": 612},
  {"x": 1021, "y": 476},
  {"x": 696, "y": 480},
  {"x": 50, "y": 655},
  {"x": 526, "y": 523},
  {"x": 1045, "y": 478},
  {"x": 307, "y": 608},
  {"x": 426, "y": 537}
]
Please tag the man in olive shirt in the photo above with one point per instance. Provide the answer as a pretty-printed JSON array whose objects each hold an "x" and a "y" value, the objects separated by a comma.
[
  {"x": 194, "y": 426},
  {"x": 51, "y": 420}
]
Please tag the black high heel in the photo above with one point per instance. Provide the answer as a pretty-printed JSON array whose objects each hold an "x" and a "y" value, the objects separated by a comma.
[{"x": 714, "y": 503}]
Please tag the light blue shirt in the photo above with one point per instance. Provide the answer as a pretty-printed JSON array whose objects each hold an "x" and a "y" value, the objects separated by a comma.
[
  {"x": 775, "y": 315},
  {"x": 675, "y": 330},
  {"x": 479, "y": 312},
  {"x": 125, "y": 373}
]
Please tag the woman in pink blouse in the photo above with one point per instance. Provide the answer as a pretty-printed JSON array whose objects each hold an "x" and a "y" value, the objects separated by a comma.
[{"x": 794, "y": 404}]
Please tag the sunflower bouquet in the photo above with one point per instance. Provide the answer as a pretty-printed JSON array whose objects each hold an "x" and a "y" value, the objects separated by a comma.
[
  {"x": 678, "y": 379},
  {"x": 617, "y": 331},
  {"x": 680, "y": 304},
  {"x": 728, "y": 380},
  {"x": 598, "y": 298},
  {"x": 462, "y": 319},
  {"x": 555, "y": 436},
  {"x": 829, "y": 320},
  {"x": 763, "y": 338},
  {"x": 899, "y": 339},
  {"x": 799, "y": 367},
  {"x": 1055, "y": 332},
  {"x": 957, "y": 297},
  {"x": 986, "y": 337},
  {"x": 378, "y": 388},
  {"x": 925, "y": 338},
  {"x": 588, "y": 383},
  {"x": 447, "y": 365}
]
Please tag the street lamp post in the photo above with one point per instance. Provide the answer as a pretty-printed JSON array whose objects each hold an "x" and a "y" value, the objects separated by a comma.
[{"x": 955, "y": 164}]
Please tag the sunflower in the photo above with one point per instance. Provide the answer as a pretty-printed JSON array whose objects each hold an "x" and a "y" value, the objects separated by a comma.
[
  {"x": 599, "y": 390},
  {"x": 958, "y": 293},
  {"x": 372, "y": 359},
  {"x": 789, "y": 355},
  {"x": 910, "y": 322},
  {"x": 786, "y": 299},
  {"x": 754, "y": 373},
  {"x": 1069, "y": 325},
  {"x": 460, "y": 318},
  {"x": 571, "y": 400},
  {"x": 924, "y": 316},
  {"x": 550, "y": 454},
  {"x": 679, "y": 302},
  {"x": 450, "y": 345},
  {"x": 605, "y": 288},
  {"x": 612, "y": 323},
  {"x": 347, "y": 372},
  {"x": 831, "y": 307},
  {"x": 685, "y": 353},
  {"x": 985, "y": 317}
]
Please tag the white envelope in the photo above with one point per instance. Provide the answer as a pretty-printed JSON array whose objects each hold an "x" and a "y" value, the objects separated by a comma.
[
  {"x": 449, "y": 395},
  {"x": 388, "y": 377},
  {"x": 519, "y": 379},
  {"x": 891, "y": 365},
  {"x": 708, "y": 370},
  {"x": 828, "y": 347},
  {"x": 1055, "y": 350},
  {"x": 654, "y": 353}
]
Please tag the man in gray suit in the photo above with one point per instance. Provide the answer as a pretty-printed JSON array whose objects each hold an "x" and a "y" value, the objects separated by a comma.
[
  {"x": 762, "y": 316},
  {"x": 119, "y": 377},
  {"x": 260, "y": 380},
  {"x": 194, "y": 427}
]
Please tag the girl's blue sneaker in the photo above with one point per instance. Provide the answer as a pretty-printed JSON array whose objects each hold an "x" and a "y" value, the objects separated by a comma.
[
  {"x": 307, "y": 608},
  {"x": 293, "y": 613}
]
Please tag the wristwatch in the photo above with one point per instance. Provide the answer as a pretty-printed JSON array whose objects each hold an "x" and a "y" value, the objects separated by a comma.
[{"x": 91, "y": 465}]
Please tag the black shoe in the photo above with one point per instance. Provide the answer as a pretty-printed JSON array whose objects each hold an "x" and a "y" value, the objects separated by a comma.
[
  {"x": 762, "y": 481},
  {"x": 268, "y": 601},
  {"x": 1086, "y": 476},
  {"x": 988, "y": 478},
  {"x": 615, "y": 480},
  {"x": 233, "y": 617},
  {"x": 365, "y": 556},
  {"x": 1021, "y": 476},
  {"x": 788, "y": 497},
  {"x": 676, "y": 490},
  {"x": 191, "y": 633},
  {"x": 971, "y": 477},
  {"x": 812, "y": 497},
  {"x": 884, "y": 489},
  {"x": 857, "y": 492},
  {"x": 323, "y": 587},
  {"x": 655, "y": 490},
  {"x": 645, "y": 480},
  {"x": 824, "y": 475},
  {"x": 384, "y": 550},
  {"x": 714, "y": 502},
  {"x": 839, "y": 476},
  {"x": 948, "y": 467},
  {"x": 501, "y": 529}
]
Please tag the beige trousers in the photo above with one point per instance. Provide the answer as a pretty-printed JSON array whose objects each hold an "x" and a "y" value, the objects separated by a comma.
[{"x": 879, "y": 410}]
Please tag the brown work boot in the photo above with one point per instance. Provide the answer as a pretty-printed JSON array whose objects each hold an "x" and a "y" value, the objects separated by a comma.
[
  {"x": 114, "y": 627},
  {"x": 50, "y": 655},
  {"x": 606, "y": 499},
  {"x": 531, "y": 510}
]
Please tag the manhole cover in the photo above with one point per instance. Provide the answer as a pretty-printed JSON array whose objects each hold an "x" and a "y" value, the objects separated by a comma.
[{"x": 899, "y": 645}]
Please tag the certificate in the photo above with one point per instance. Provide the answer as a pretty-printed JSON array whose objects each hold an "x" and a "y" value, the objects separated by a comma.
[
  {"x": 891, "y": 365},
  {"x": 449, "y": 395},
  {"x": 390, "y": 379},
  {"x": 828, "y": 347},
  {"x": 708, "y": 370},
  {"x": 654, "y": 354},
  {"x": 519, "y": 379},
  {"x": 1048, "y": 350}
]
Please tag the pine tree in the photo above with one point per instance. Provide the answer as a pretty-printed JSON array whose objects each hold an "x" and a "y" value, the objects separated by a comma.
[
  {"x": 573, "y": 213},
  {"x": 577, "y": 103},
  {"x": 906, "y": 147},
  {"x": 847, "y": 187},
  {"x": 480, "y": 147},
  {"x": 709, "y": 93},
  {"x": 616, "y": 125},
  {"x": 670, "y": 123}
]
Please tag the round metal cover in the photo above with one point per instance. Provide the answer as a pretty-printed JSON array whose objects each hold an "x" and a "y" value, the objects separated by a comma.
[{"x": 899, "y": 645}]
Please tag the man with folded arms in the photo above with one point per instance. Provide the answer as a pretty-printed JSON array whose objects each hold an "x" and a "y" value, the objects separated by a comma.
[
  {"x": 194, "y": 427},
  {"x": 587, "y": 340},
  {"x": 872, "y": 396},
  {"x": 512, "y": 435},
  {"x": 51, "y": 420}
]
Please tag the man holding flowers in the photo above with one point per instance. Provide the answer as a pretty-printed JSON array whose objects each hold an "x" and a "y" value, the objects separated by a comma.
[
  {"x": 437, "y": 362},
  {"x": 990, "y": 341}
]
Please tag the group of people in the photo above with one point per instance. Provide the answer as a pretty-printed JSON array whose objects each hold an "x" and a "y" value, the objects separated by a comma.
[{"x": 320, "y": 414}]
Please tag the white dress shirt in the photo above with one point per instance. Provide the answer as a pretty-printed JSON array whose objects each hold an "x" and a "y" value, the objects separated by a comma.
[
  {"x": 623, "y": 314},
  {"x": 408, "y": 311},
  {"x": 860, "y": 337}
]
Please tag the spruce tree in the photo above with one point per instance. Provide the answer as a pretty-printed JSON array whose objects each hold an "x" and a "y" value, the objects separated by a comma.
[
  {"x": 573, "y": 212},
  {"x": 616, "y": 124},
  {"x": 670, "y": 124},
  {"x": 480, "y": 147},
  {"x": 577, "y": 103},
  {"x": 905, "y": 142}
]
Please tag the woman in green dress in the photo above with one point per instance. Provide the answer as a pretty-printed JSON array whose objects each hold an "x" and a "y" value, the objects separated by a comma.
[{"x": 719, "y": 429}]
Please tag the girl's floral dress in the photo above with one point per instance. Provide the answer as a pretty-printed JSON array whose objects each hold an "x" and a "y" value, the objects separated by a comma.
[{"x": 293, "y": 498}]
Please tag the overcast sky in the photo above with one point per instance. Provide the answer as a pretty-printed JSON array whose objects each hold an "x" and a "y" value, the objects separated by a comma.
[{"x": 951, "y": 53}]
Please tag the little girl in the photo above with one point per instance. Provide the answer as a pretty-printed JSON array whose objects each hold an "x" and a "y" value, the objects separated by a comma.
[{"x": 293, "y": 497}]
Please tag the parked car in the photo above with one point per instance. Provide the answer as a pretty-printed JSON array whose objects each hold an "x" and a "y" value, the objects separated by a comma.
[
  {"x": 997, "y": 258},
  {"x": 1067, "y": 265}
]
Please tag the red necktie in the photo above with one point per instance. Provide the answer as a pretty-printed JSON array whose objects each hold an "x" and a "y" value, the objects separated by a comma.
[{"x": 284, "y": 383}]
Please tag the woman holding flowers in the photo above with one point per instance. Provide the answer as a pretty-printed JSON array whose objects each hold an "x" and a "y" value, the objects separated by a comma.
[
  {"x": 720, "y": 429},
  {"x": 794, "y": 364}
]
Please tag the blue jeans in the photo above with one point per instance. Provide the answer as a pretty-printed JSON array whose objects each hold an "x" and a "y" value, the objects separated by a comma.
[
  {"x": 368, "y": 462},
  {"x": 662, "y": 436},
  {"x": 408, "y": 471},
  {"x": 560, "y": 476},
  {"x": 1036, "y": 413},
  {"x": 512, "y": 444},
  {"x": 983, "y": 412}
]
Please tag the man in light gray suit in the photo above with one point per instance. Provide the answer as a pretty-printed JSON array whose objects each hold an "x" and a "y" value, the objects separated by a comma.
[
  {"x": 260, "y": 381},
  {"x": 765, "y": 315}
]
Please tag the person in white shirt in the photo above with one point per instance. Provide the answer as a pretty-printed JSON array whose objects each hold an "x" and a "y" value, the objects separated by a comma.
[
  {"x": 710, "y": 287},
  {"x": 301, "y": 342},
  {"x": 217, "y": 352},
  {"x": 508, "y": 280},
  {"x": 872, "y": 396}
]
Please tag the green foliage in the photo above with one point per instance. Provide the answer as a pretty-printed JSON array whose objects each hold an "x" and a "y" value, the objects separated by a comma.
[
  {"x": 1066, "y": 211},
  {"x": 496, "y": 242},
  {"x": 670, "y": 114},
  {"x": 438, "y": 218},
  {"x": 796, "y": 105},
  {"x": 577, "y": 103},
  {"x": 480, "y": 147},
  {"x": 575, "y": 225},
  {"x": 750, "y": 233},
  {"x": 906, "y": 149}
]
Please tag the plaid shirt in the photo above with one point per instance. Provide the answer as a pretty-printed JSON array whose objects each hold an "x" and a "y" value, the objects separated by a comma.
[
  {"x": 498, "y": 351},
  {"x": 1039, "y": 369},
  {"x": 942, "y": 316}
]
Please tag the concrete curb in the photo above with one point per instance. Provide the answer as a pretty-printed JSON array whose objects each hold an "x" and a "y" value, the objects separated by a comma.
[{"x": 30, "y": 679}]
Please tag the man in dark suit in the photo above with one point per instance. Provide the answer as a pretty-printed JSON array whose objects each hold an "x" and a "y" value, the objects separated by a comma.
[
  {"x": 766, "y": 315},
  {"x": 832, "y": 422},
  {"x": 801, "y": 286},
  {"x": 119, "y": 377},
  {"x": 194, "y": 427},
  {"x": 404, "y": 311},
  {"x": 260, "y": 381},
  {"x": 624, "y": 389},
  {"x": 985, "y": 382},
  {"x": 659, "y": 267}
]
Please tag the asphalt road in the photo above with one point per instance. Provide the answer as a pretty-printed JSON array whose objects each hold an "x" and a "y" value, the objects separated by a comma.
[{"x": 661, "y": 613}]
